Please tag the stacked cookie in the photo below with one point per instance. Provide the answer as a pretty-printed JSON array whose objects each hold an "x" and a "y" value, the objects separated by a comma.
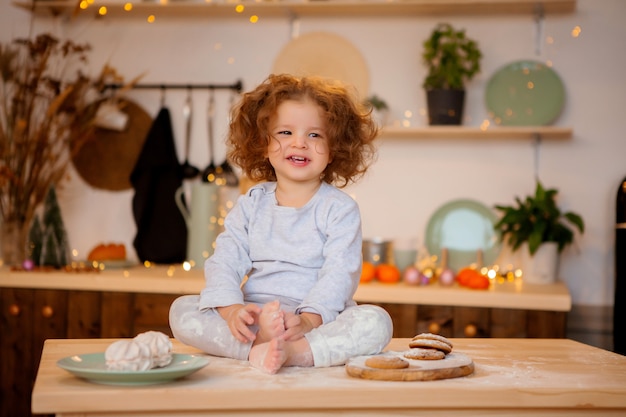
[
  {"x": 424, "y": 346},
  {"x": 428, "y": 346}
]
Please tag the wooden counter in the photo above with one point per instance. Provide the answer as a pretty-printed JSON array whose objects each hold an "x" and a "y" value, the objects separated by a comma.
[
  {"x": 512, "y": 377},
  {"x": 175, "y": 280}
]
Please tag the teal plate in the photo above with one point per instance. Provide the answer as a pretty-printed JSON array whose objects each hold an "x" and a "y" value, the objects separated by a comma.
[
  {"x": 92, "y": 367},
  {"x": 463, "y": 227},
  {"x": 525, "y": 93}
]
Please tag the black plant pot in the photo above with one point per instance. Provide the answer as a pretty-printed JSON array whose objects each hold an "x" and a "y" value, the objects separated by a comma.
[{"x": 445, "y": 107}]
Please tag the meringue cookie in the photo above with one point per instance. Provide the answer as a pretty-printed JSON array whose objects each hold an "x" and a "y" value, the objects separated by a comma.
[
  {"x": 128, "y": 355},
  {"x": 160, "y": 347}
]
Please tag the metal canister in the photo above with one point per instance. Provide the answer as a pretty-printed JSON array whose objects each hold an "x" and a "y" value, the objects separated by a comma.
[{"x": 377, "y": 251}]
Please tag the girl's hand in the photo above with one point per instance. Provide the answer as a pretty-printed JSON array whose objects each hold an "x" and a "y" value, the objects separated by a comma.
[
  {"x": 239, "y": 317},
  {"x": 297, "y": 325}
]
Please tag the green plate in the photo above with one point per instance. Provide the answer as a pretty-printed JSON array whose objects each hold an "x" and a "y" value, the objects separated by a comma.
[
  {"x": 92, "y": 367},
  {"x": 463, "y": 227},
  {"x": 525, "y": 93}
]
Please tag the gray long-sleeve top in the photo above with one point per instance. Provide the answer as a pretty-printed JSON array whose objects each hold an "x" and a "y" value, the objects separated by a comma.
[{"x": 308, "y": 258}]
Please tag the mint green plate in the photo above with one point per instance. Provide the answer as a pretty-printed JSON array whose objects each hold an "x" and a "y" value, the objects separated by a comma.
[
  {"x": 92, "y": 367},
  {"x": 525, "y": 93},
  {"x": 463, "y": 227}
]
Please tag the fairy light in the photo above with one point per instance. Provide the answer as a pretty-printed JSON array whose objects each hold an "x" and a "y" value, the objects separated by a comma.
[
  {"x": 239, "y": 8},
  {"x": 83, "y": 4},
  {"x": 254, "y": 19},
  {"x": 576, "y": 31},
  {"x": 102, "y": 10},
  {"x": 151, "y": 18},
  {"x": 128, "y": 7}
]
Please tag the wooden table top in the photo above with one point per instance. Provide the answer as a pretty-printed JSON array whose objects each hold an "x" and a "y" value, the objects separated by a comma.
[{"x": 511, "y": 377}]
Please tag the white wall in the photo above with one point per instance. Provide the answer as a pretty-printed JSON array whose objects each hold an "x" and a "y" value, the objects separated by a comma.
[{"x": 411, "y": 178}]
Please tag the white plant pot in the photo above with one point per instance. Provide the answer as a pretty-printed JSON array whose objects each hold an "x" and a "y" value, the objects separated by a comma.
[{"x": 543, "y": 266}]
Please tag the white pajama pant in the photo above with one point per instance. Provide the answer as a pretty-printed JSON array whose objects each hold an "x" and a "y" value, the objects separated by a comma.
[{"x": 358, "y": 330}]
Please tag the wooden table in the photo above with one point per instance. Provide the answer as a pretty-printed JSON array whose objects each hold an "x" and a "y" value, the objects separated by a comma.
[{"x": 546, "y": 377}]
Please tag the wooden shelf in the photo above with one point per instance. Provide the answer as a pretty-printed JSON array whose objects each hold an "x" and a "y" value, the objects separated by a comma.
[
  {"x": 461, "y": 132},
  {"x": 310, "y": 8}
]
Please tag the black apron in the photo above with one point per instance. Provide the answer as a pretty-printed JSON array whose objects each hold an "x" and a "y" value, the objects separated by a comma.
[{"x": 161, "y": 228}]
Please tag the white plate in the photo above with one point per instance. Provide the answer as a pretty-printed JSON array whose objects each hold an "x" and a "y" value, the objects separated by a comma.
[
  {"x": 92, "y": 367},
  {"x": 463, "y": 227}
]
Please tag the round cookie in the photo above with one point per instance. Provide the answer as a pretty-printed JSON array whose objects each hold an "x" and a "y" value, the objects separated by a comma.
[
  {"x": 433, "y": 337},
  {"x": 424, "y": 354},
  {"x": 430, "y": 343},
  {"x": 386, "y": 362}
]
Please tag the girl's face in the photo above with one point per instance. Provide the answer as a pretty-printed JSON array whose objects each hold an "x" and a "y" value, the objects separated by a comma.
[{"x": 298, "y": 148}]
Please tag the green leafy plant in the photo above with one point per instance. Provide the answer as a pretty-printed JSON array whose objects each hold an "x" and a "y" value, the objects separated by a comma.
[
  {"x": 451, "y": 57},
  {"x": 376, "y": 102},
  {"x": 536, "y": 220}
]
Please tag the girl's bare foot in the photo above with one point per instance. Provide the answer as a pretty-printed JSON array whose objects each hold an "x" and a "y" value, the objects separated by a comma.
[
  {"x": 271, "y": 356},
  {"x": 268, "y": 357},
  {"x": 271, "y": 323}
]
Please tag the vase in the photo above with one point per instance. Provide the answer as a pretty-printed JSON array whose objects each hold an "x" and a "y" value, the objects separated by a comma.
[
  {"x": 542, "y": 267},
  {"x": 14, "y": 241}
]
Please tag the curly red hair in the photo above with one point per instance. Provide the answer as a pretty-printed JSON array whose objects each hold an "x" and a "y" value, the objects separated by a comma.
[{"x": 351, "y": 131}]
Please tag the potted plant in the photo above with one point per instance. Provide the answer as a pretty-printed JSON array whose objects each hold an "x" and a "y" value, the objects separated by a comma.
[
  {"x": 452, "y": 59},
  {"x": 541, "y": 229},
  {"x": 380, "y": 109}
]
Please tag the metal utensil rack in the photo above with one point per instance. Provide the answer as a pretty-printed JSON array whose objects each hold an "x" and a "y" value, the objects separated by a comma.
[{"x": 237, "y": 86}]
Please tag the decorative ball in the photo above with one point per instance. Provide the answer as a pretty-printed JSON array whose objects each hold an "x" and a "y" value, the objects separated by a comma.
[
  {"x": 411, "y": 275},
  {"x": 427, "y": 275},
  {"x": 446, "y": 277},
  {"x": 28, "y": 265}
]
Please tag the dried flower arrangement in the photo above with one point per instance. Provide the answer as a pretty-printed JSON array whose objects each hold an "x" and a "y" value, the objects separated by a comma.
[{"x": 44, "y": 115}]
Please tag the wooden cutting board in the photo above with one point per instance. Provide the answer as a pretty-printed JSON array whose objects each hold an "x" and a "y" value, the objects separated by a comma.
[{"x": 454, "y": 365}]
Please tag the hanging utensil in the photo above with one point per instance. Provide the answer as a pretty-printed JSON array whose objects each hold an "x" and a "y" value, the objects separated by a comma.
[
  {"x": 229, "y": 173},
  {"x": 189, "y": 171},
  {"x": 211, "y": 173}
]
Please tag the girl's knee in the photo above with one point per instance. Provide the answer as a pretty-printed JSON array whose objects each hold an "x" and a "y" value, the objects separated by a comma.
[
  {"x": 180, "y": 311},
  {"x": 370, "y": 322},
  {"x": 378, "y": 317}
]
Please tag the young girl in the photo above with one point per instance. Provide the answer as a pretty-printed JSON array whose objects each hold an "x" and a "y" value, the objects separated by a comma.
[{"x": 279, "y": 286}]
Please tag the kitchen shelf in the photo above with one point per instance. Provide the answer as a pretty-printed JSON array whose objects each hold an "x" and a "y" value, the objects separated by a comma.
[
  {"x": 461, "y": 132},
  {"x": 302, "y": 8}
]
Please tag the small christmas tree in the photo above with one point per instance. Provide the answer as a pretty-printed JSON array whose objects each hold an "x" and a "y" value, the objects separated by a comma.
[
  {"x": 48, "y": 240},
  {"x": 35, "y": 237}
]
